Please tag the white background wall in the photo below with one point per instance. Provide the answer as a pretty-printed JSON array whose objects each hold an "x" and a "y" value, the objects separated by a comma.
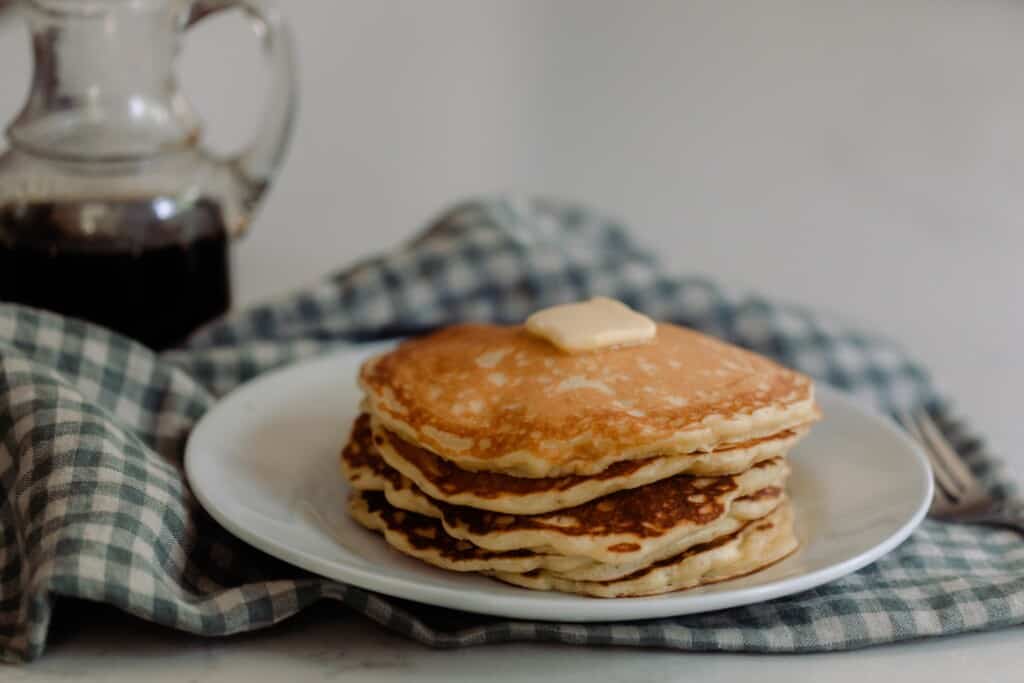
[{"x": 864, "y": 158}]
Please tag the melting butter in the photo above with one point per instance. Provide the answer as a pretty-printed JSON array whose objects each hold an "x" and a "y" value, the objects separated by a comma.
[{"x": 591, "y": 325}]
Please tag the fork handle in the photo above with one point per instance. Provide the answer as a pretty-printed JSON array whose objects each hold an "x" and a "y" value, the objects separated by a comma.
[{"x": 1005, "y": 513}]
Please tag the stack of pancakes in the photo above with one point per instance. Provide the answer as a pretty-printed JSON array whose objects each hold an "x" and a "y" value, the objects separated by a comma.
[{"x": 624, "y": 471}]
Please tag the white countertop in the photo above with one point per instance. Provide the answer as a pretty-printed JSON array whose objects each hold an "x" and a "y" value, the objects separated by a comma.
[{"x": 330, "y": 645}]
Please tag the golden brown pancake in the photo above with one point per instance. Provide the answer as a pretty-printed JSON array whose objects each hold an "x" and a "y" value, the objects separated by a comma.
[
  {"x": 621, "y": 528},
  {"x": 609, "y": 471},
  {"x": 495, "y": 398},
  {"x": 443, "y": 480},
  {"x": 746, "y": 508},
  {"x": 758, "y": 544},
  {"x": 424, "y": 538},
  {"x": 372, "y": 475},
  {"x": 365, "y": 470},
  {"x": 360, "y": 461},
  {"x": 754, "y": 545}
]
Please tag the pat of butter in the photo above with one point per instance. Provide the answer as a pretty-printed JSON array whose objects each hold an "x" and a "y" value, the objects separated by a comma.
[{"x": 591, "y": 325}]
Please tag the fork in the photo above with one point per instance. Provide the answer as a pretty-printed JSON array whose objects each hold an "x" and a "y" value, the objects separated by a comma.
[{"x": 959, "y": 496}]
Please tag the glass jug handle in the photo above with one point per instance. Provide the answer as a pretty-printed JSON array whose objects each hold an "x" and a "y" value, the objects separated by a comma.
[{"x": 256, "y": 163}]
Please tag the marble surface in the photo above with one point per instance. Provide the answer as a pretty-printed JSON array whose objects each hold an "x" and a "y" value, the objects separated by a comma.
[{"x": 97, "y": 645}]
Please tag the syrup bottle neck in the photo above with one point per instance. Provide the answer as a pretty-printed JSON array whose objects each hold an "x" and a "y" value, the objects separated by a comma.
[{"x": 103, "y": 86}]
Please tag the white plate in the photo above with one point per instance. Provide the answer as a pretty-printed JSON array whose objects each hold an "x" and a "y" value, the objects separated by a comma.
[{"x": 264, "y": 463}]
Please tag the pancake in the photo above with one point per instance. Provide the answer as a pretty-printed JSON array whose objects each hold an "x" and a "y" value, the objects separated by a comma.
[
  {"x": 756, "y": 545},
  {"x": 602, "y": 470},
  {"x": 372, "y": 475},
  {"x": 495, "y": 398},
  {"x": 442, "y": 480},
  {"x": 745, "y": 509},
  {"x": 360, "y": 462},
  {"x": 676, "y": 527},
  {"x": 425, "y": 539},
  {"x": 627, "y": 526},
  {"x": 367, "y": 471}
]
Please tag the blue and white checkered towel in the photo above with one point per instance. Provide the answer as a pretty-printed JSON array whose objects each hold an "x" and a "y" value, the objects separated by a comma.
[{"x": 93, "y": 426}]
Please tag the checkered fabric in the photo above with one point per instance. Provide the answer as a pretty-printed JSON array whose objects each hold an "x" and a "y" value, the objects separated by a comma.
[{"x": 93, "y": 426}]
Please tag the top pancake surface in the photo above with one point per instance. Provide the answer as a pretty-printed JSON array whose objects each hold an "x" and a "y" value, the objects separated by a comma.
[{"x": 497, "y": 398}]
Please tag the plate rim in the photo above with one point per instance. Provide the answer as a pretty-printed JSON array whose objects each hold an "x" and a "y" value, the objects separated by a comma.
[{"x": 533, "y": 605}]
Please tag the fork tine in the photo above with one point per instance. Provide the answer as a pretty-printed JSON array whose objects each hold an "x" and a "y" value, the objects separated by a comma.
[
  {"x": 968, "y": 484},
  {"x": 946, "y": 485}
]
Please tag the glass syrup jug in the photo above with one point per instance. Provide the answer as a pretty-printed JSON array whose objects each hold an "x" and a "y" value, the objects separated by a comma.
[{"x": 110, "y": 209}]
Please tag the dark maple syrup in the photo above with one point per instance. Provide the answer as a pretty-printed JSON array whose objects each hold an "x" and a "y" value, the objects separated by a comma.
[{"x": 150, "y": 268}]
